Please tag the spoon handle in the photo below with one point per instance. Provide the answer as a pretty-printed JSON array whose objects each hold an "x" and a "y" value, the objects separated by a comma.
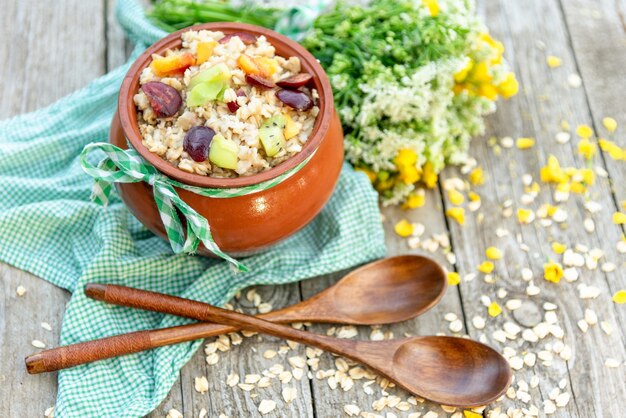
[
  {"x": 118, "y": 345},
  {"x": 144, "y": 299},
  {"x": 362, "y": 351}
]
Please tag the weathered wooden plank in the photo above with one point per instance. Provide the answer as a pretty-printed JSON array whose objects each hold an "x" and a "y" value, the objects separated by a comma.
[
  {"x": 598, "y": 32},
  {"x": 530, "y": 31},
  {"x": 117, "y": 46},
  {"x": 24, "y": 395},
  {"x": 48, "y": 51},
  {"x": 330, "y": 402}
]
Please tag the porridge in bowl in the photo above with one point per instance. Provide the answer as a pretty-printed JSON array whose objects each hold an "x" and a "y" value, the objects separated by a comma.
[{"x": 225, "y": 105}]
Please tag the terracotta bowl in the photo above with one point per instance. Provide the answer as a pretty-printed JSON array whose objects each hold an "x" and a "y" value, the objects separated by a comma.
[{"x": 247, "y": 224}]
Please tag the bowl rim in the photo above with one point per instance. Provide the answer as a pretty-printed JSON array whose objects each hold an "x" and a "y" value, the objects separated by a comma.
[{"x": 128, "y": 112}]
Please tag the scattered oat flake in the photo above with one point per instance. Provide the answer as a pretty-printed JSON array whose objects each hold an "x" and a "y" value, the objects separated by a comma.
[
  {"x": 38, "y": 344},
  {"x": 266, "y": 406},
  {"x": 49, "y": 412},
  {"x": 352, "y": 410},
  {"x": 46, "y": 326},
  {"x": 574, "y": 80},
  {"x": 612, "y": 363},
  {"x": 201, "y": 384},
  {"x": 289, "y": 394},
  {"x": 174, "y": 413},
  {"x": 620, "y": 297},
  {"x": 525, "y": 143},
  {"x": 232, "y": 380},
  {"x": 20, "y": 291}
]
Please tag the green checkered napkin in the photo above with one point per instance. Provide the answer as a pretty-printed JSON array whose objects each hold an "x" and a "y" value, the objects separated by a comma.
[{"x": 49, "y": 227}]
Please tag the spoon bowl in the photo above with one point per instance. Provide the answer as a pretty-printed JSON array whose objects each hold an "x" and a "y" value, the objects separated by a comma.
[
  {"x": 450, "y": 370},
  {"x": 383, "y": 292}
]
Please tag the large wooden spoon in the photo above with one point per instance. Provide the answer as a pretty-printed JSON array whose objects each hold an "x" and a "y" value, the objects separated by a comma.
[
  {"x": 385, "y": 291},
  {"x": 448, "y": 370}
]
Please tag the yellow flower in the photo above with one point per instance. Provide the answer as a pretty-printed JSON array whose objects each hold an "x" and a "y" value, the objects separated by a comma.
[
  {"x": 404, "y": 228},
  {"x": 620, "y": 297},
  {"x": 485, "y": 36},
  {"x": 406, "y": 156},
  {"x": 433, "y": 7},
  {"x": 456, "y": 197},
  {"x": 493, "y": 253},
  {"x": 588, "y": 176},
  {"x": 584, "y": 131},
  {"x": 494, "y": 309},
  {"x": 471, "y": 414},
  {"x": 552, "y": 272},
  {"x": 429, "y": 176},
  {"x": 586, "y": 148},
  {"x": 552, "y": 172},
  {"x": 481, "y": 74},
  {"x": 525, "y": 216},
  {"x": 477, "y": 176},
  {"x": 458, "y": 214},
  {"x": 525, "y": 143},
  {"x": 553, "y": 62},
  {"x": 460, "y": 76},
  {"x": 415, "y": 200},
  {"x": 486, "y": 267},
  {"x": 453, "y": 278},
  {"x": 619, "y": 218},
  {"x": 474, "y": 197},
  {"x": 406, "y": 161},
  {"x": 409, "y": 174},
  {"x": 509, "y": 87},
  {"x": 558, "y": 248},
  {"x": 612, "y": 148},
  {"x": 488, "y": 91},
  {"x": 610, "y": 124}
]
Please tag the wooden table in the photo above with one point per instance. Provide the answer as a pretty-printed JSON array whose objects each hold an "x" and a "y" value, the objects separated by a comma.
[{"x": 52, "y": 48}]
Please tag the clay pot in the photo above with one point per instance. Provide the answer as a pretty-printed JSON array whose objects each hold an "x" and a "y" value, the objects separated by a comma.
[{"x": 241, "y": 225}]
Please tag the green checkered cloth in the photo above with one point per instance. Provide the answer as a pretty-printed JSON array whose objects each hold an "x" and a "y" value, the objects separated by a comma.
[{"x": 50, "y": 227}]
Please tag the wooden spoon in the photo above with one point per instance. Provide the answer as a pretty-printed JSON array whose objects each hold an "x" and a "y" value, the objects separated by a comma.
[
  {"x": 385, "y": 291},
  {"x": 449, "y": 370}
]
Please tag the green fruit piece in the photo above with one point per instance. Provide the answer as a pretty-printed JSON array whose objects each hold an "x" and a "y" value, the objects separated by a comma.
[
  {"x": 272, "y": 136},
  {"x": 218, "y": 72},
  {"x": 223, "y": 152},
  {"x": 204, "y": 93}
]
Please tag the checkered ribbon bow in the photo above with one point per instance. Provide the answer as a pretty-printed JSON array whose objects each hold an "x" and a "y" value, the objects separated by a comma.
[{"x": 127, "y": 166}]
